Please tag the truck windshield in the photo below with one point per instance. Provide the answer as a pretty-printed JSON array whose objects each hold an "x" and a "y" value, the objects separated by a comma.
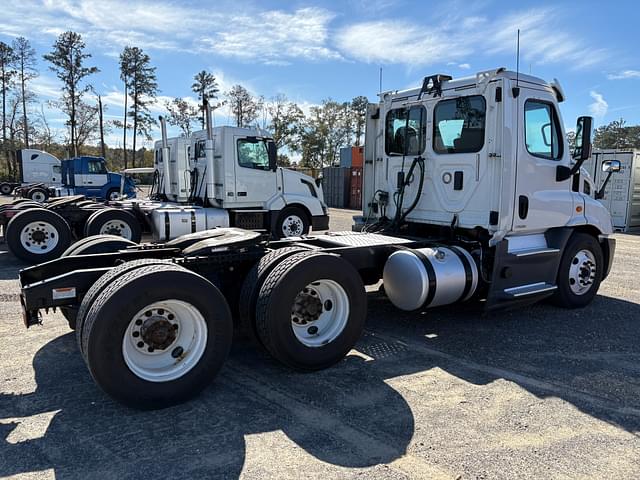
[{"x": 253, "y": 154}]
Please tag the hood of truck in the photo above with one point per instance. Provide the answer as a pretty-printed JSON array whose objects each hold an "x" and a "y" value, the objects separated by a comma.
[{"x": 301, "y": 184}]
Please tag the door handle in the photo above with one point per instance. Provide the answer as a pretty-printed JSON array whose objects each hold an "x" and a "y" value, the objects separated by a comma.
[{"x": 90, "y": 183}]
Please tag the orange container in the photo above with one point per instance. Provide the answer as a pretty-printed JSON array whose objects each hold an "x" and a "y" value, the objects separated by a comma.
[{"x": 357, "y": 156}]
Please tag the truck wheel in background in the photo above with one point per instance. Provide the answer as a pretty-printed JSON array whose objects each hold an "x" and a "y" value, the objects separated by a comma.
[
  {"x": 311, "y": 310},
  {"x": 112, "y": 195},
  {"x": 252, "y": 284},
  {"x": 292, "y": 222},
  {"x": 112, "y": 221},
  {"x": 580, "y": 272},
  {"x": 6, "y": 188},
  {"x": 38, "y": 194},
  {"x": 38, "y": 235},
  {"x": 157, "y": 336}
]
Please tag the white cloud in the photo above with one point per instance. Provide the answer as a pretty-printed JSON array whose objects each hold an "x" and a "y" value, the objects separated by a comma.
[
  {"x": 542, "y": 40},
  {"x": 464, "y": 66},
  {"x": 264, "y": 36},
  {"x": 599, "y": 107},
  {"x": 623, "y": 75}
]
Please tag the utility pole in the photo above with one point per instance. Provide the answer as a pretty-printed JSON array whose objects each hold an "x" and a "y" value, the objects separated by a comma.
[{"x": 102, "y": 147}]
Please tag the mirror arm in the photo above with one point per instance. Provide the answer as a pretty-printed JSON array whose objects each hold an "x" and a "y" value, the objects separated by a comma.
[{"x": 600, "y": 193}]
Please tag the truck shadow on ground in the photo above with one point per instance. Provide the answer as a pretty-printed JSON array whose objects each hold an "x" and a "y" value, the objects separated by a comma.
[
  {"x": 10, "y": 264},
  {"x": 346, "y": 416}
]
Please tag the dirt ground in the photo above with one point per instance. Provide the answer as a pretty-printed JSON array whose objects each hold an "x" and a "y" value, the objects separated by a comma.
[{"x": 447, "y": 393}]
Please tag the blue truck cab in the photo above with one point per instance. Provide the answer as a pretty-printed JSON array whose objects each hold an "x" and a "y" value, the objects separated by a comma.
[{"x": 89, "y": 176}]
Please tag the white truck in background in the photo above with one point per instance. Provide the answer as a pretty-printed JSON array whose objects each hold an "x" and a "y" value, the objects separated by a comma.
[{"x": 35, "y": 168}]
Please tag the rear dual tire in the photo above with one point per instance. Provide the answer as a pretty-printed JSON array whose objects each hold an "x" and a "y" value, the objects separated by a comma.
[
  {"x": 38, "y": 235},
  {"x": 113, "y": 221},
  {"x": 133, "y": 348},
  {"x": 311, "y": 310}
]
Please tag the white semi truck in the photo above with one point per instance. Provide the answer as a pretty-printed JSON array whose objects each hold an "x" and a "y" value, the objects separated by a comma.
[
  {"x": 220, "y": 177},
  {"x": 36, "y": 169},
  {"x": 470, "y": 192}
]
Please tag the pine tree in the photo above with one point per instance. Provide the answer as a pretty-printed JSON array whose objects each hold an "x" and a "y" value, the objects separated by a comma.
[
  {"x": 206, "y": 87},
  {"x": 26, "y": 69},
  {"x": 67, "y": 61},
  {"x": 7, "y": 73},
  {"x": 142, "y": 88},
  {"x": 181, "y": 114}
]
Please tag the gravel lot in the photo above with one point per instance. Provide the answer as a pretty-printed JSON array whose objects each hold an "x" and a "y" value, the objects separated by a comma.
[{"x": 449, "y": 393}]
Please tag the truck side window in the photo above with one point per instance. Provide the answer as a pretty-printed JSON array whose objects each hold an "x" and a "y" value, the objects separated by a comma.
[
  {"x": 253, "y": 154},
  {"x": 458, "y": 125},
  {"x": 541, "y": 130},
  {"x": 200, "y": 149},
  {"x": 405, "y": 131},
  {"x": 96, "y": 167}
]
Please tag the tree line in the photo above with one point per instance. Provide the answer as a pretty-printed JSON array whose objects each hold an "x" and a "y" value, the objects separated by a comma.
[{"x": 315, "y": 138}]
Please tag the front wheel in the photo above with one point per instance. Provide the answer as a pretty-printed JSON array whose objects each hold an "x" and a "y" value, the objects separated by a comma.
[
  {"x": 157, "y": 336},
  {"x": 292, "y": 222},
  {"x": 580, "y": 272}
]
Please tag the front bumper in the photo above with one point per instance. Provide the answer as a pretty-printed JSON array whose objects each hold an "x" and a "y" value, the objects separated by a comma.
[{"x": 320, "y": 222}]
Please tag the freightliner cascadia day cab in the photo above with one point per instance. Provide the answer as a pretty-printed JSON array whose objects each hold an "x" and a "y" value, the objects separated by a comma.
[
  {"x": 470, "y": 193},
  {"x": 220, "y": 177}
]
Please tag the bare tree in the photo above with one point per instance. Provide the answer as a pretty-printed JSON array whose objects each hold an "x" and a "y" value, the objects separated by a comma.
[
  {"x": 243, "y": 105},
  {"x": 26, "y": 68},
  {"x": 182, "y": 114}
]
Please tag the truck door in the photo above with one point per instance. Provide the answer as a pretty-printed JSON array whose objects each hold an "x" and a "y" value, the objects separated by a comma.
[
  {"x": 94, "y": 176},
  {"x": 255, "y": 182},
  {"x": 540, "y": 201}
]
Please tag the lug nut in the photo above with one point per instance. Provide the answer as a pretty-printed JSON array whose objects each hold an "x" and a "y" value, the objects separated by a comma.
[
  {"x": 136, "y": 334},
  {"x": 312, "y": 330},
  {"x": 140, "y": 344}
]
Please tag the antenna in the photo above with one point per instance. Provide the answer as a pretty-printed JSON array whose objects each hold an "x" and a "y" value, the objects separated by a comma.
[
  {"x": 380, "y": 86},
  {"x": 516, "y": 90}
]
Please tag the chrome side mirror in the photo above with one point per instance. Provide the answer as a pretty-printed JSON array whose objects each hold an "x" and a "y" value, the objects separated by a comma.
[{"x": 611, "y": 166}]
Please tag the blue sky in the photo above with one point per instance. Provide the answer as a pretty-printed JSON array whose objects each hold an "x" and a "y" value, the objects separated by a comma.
[{"x": 314, "y": 50}]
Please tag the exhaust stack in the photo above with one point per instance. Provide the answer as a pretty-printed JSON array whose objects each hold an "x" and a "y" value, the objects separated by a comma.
[{"x": 166, "y": 171}]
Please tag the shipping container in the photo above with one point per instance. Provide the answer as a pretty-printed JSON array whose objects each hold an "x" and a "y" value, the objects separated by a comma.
[
  {"x": 622, "y": 195},
  {"x": 357, "y": 154},
  {"x": 345, "y": 157},
  {"x": 335, "y": 185},
  {"x": 355, "y": 201}
]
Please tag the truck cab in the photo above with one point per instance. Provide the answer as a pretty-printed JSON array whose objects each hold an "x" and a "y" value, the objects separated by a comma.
[
  {"x": 36, "y": 166},
  {"x": 89, "y": 176},
  {"x": 234, "y": 170},
  {"x": 484, "y": 158}
]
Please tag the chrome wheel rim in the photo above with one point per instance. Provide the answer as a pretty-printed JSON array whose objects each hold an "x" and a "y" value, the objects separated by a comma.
[
  {"x": 39, "y": 237},
  {"x": 114, "y": 196},
  {"x": 292, "y": 226},
  {"x": 164, "y": 340},
  {"x": 582, "y": 272},
  {"x": 320, "y": 313},
  {"x": 116, "y": 227}
]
